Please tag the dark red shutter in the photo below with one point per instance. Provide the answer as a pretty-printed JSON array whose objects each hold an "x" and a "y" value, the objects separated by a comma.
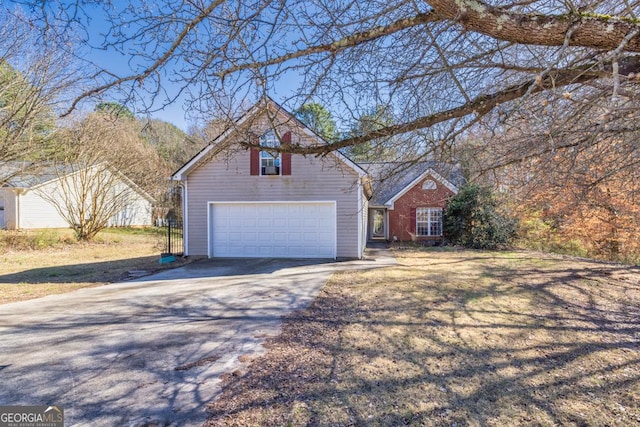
[
  {"x": 412, "y": 220},
  {"x": 286, "y": 157},
  {"x": 255, "y": 159}
]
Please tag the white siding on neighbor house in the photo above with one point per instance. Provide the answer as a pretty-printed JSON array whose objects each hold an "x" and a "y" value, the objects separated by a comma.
[
  {"x": 36, "y": 212},
  {"x": 136, "y": 213},
  {"x": 227, "y": 178},
  {"x": 9, "y": 198},
  {"x": 30, "y": 209}
]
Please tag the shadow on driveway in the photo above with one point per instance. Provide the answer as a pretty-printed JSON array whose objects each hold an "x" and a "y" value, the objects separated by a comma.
[
  {"x": 103, "y": 271},
  {"x": 153, "y": 349},
  {"x": 106, "y": 270}
]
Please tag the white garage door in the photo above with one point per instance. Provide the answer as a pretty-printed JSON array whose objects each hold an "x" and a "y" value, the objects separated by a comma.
[{"x": 274, "y": 230}]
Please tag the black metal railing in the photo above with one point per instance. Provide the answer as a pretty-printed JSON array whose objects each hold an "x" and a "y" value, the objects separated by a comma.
[
  {"x": 174, "y": 240},
  {"x": 169, "y": 216}
]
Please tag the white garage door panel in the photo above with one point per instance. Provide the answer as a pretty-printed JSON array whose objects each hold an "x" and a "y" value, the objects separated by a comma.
[{"x": 282, "y": 230}]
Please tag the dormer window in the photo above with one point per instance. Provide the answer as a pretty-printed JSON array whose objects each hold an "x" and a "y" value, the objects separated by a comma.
[
  {"x": 269, "y": 159},
  {"x": 265, "y": 160}
]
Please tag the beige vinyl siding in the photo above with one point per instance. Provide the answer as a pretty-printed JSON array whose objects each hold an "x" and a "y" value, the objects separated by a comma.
[{"x": 227, "y": 178}]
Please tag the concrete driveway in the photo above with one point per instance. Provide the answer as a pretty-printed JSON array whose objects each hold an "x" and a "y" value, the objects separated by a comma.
[{"x": 151, "y": 351}]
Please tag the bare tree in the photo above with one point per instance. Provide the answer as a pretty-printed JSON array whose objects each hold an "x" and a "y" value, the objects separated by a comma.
[
  {"x": 525, "y": 92},
  {"x": 89, "y": 197},
  {"x": 173, "y": 145},
  {"x": 34, "y": 78},
  {"x": 103, "y": 166},
  {"x": 438, "y": 64}
]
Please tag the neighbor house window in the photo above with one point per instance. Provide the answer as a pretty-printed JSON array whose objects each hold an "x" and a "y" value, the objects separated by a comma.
[
  {"x": 269, "y": 160},
  {"x": 429, "y": 221}
]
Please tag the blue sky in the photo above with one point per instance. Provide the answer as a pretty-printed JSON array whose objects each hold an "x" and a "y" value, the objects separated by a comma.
[
  {"x": 118, "y": 64},
  {"x": 93, "y": 27}
]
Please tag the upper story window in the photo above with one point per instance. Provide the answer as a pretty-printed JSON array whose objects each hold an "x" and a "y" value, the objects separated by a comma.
[{"x": 269, "y": 160}]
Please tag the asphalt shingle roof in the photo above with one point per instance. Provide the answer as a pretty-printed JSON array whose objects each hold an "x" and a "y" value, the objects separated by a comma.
[
  {"x": 389, "y": 178},
  {"x": 26, "y": 175}
]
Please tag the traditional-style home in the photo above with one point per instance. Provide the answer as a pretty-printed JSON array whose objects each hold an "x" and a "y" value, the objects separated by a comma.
[{"x": 241, "y": 199}]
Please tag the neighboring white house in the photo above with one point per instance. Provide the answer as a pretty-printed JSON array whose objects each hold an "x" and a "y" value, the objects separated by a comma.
[{"x": 26, "y": 199}]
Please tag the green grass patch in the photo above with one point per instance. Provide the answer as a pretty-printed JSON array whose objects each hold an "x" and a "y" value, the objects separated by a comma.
[
  {"x": 34, "y": 239},
  {"x": 134, "y": 231}
]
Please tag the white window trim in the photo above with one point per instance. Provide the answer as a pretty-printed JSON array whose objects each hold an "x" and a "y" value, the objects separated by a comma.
[
  {"x": 429, "y": 221},
  {"x": 278, "y": 157}
]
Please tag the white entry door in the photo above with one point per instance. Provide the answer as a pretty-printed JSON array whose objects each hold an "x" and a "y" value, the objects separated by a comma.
[{"x": 272, "y": 229}]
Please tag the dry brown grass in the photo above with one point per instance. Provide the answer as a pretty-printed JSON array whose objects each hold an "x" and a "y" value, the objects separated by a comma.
[
  {"x": 453, "y": 339},
  {"x": 60, "y": 265}
]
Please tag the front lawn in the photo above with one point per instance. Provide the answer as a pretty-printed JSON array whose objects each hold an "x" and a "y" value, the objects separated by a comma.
[
  {"x": 453, "y": 339},
  {"x": 42, "y": 262}
]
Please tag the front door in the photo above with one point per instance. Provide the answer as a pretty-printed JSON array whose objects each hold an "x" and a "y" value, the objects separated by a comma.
[{"x": 378, "y": 224}]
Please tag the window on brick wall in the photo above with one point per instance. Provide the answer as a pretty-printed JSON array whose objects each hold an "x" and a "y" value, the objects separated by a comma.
[{"x": 429, "y": 221}]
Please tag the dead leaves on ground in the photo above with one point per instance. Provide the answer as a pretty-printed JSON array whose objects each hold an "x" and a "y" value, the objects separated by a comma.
[{"x": 452, "y": 338}]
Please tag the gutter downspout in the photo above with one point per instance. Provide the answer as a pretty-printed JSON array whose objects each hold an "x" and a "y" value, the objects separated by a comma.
[
  {"x": 360, "y": 220},
  {"x": 185, "y": 218},
  {"x": 19, "y": 191}
]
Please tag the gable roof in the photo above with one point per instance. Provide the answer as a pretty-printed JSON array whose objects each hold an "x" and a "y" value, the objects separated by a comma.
[
  {"x": 29, "y": 176},
  {"x": 391, "y": 180},
  {"x": 218, "y": 144}
]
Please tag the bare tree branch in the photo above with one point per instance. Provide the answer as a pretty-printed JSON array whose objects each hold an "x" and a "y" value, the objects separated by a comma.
[
  {"x": 592, "y": 30},
  {"x": 478, "y": 106},
  {"x": 161, "y": 61}
]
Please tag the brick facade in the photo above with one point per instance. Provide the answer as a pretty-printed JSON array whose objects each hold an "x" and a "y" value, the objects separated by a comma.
[{"x": 401, "y": 220}]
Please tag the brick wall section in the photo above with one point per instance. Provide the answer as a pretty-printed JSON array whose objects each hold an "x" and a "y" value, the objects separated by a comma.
[{"x": 400, "y": 217}]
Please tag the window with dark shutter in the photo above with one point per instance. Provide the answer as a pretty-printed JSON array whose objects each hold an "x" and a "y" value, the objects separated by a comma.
[
  {"x": 286, "y": 157},
  {"x": 254, "y": 156},
  {"x": 270, "y": 160},
  {"x": 255, "y": 161},
  {"x": 265, "y": 161}
]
